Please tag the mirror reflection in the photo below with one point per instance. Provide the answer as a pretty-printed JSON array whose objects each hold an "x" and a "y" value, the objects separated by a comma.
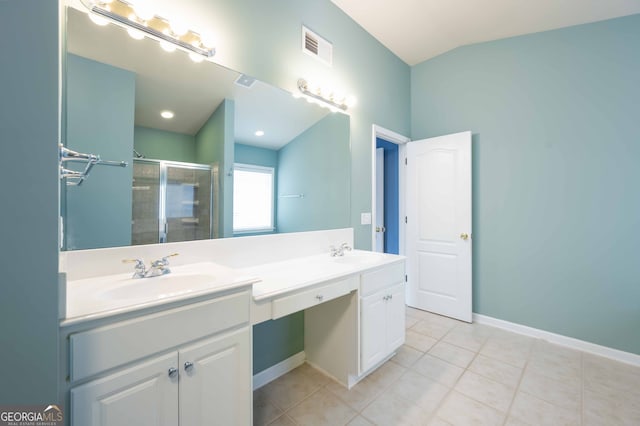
[{"x": 211, "y": 152}]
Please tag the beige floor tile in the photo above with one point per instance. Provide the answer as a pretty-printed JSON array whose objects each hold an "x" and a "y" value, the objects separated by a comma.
[
  {"x": 493, "y": 394},
  {"x": 438, "y": 370},
  {"x": 406, "y": 356},
  {"x": 458, "y": 409},
  {"x": 556, "y": 368},
  {"x": 512, "y": 421},
  {"x": 452, "y": 354},
  {"x": 474, "y": 329},
  {"x": 472, "y": 342},
  {"x": 511, "y": 352},
  {"x": 537, "y": 412},
  {"x": 410, "y": 321},
  {"x": 264, "y": 411},
  {"x": 283, "y": 420},
  {"x": 358, "y": 396},
  {"x": 610, "y": 377},
  {"x": 290, "y": 389},
  {"x": 432, "y": 328},
  {"x": 419, "y": 341},
  {"x": 360, "y": 421},
  {"x": 419, "y": 390},
  {"x": 610, "y": 410},
  {"x": 418, "y": 313},
  {"x": 496, "y": 370},
  {"x": 389, "y": 410},
  {"x": 439, "y": 422},
  {"x": 322, "y": 408},
  {"x": 566, "y": 394}
]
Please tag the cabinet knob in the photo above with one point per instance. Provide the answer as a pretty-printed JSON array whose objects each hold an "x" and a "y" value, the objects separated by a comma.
[
  {"x": 320, "y": 297},
  {"x": 173, "y": 372},
  {"x": 188, "y": 366}
]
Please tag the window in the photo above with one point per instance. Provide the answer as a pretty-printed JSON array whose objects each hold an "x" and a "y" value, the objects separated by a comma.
[{"x": 252, "y": 198}]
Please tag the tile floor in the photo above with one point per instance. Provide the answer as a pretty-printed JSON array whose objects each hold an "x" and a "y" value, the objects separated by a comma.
[{"x": 453, "y": 373}]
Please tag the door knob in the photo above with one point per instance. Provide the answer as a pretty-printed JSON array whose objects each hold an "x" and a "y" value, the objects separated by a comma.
[
  {"x": 380, "y": 229},
  {"x": 464, "y": 236}
]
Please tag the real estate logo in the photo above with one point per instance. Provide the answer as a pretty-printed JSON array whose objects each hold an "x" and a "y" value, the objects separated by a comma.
[{"x": 31, "y": 415}]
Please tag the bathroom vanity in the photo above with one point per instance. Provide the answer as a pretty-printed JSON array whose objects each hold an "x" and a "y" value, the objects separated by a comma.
[{"x": 185, "y": 356}]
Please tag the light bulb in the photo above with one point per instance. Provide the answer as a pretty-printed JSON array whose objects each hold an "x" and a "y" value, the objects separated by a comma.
[
  {"x": 98, "y": 20},
  {"x": 167, "y": 47},
  {"x": 351, "y": 101},
  {"x": 144, "y": 10},
  {"x": 135, "y": 34},
  {"x": 179, "y": 28},
  {"x": 195, "y": 57},
  {"x": 208, "y": 41}
]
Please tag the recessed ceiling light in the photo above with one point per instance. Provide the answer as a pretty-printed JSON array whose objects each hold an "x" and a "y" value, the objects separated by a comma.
[
  {"x": 259, "y": 132},
  {"x": 167, "y": 114}
]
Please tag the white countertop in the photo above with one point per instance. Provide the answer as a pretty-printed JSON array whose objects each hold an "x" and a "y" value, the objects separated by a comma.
[
  {"x": 279, "y": 278},
  {"x": 104, "y": 296}
]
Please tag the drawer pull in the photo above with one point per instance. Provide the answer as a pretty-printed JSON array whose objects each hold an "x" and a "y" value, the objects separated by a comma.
[
  {"x": 319, "y": 297},
  {"x": 188, "y": 366},
  {"x": 173, "y": 372}
]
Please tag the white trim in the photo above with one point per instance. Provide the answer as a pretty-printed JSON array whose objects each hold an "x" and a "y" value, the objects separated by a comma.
[
  {"x": 280, "y": 369},
  {"x": 400, "y": 140},
  {"x": 570, "y": 342}
]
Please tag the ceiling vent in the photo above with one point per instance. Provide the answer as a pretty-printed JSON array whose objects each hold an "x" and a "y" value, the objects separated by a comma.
[
  {"x": 245, "y": 81},
  {"x": 316, "y": 46}
]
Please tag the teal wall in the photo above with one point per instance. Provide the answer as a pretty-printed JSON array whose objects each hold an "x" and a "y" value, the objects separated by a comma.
[
  {"x": 554, "y": 117},
  {"x": 314, "y": 161},
  {"x": 163, "y": 145},
  {"x": 277, "y": 340},
  {"x": 100, "y": 116},
  {"x": 214, "y": 146},
  {"x": 29, "y": 135}
]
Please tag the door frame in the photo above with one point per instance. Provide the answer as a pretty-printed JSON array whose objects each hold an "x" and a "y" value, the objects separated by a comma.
[{"x": 400, "y": 140}]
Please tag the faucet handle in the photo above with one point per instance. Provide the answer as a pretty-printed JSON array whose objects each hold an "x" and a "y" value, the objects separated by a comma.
[
  {"x": 138, "y": 262},
  {"x": 140, "y": 268},
  {"x": 163, "y": 261},
  {"x": 345, "y": 246}
]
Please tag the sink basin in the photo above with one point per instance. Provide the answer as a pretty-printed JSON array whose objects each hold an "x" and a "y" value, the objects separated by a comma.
[
  {"x": 162, "y": 287},
  {"x": 359, "y": 257}
]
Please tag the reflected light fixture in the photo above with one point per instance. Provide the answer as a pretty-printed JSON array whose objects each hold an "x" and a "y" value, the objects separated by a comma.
[
  {"x": 141, "y": 21},
  {"x": 324, "y": 97},
  {"x": 167, "y": 114}
]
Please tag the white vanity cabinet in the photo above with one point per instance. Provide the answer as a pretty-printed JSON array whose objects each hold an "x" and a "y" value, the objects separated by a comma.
[
  {"x": 185, "y": 366},
  {"x": 382, "y": 314}
]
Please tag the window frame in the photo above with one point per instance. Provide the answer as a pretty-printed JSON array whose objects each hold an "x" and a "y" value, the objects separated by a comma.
[{"x": 264, "y": 170}]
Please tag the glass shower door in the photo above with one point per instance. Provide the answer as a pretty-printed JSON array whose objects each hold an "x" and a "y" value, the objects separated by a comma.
[
  {"x": 145, "y": 221},
  {"x": 187, "y": 204}
]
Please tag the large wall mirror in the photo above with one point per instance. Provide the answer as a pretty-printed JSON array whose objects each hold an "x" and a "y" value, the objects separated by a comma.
[{"x": 284, "y": 161}]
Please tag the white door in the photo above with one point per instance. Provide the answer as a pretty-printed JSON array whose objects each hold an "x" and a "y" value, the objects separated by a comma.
[
  {"x": 145, "y": 395},
  {"x": 379, "y": 225},
  {"x": 439, "y": 225},
  {"x": 215, "y": 383}
]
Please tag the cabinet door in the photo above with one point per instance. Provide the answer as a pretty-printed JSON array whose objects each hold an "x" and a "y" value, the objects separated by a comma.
[
  {"x": 373, "y": 346},
  {"x": 215, "y": 381},
  {"x": 143, "y": 395},
  {"x": 395, "y": 317}
]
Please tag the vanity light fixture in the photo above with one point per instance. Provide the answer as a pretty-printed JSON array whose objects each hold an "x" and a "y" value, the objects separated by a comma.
[
  {"x": 326, "y": 98},
  {"x": 141, "y": 21},
  {"x": 167, "y": 114}
]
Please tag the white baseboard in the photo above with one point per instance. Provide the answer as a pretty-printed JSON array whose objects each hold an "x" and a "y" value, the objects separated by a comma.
[
  {"x": 570, "y": 342},
  {"x": 280, "y": 369}
]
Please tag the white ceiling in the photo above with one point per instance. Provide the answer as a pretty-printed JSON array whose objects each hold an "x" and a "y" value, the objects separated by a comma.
[
  {"x": 171, "y": 81},
  {"x": 416, "y": 30}
]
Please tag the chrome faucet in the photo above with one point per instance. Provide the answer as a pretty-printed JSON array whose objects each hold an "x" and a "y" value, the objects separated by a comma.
[
  {"x": 340, "y": 250},
  {"x": 140, "y": 268},
  {"x": 158, "y": 267}
]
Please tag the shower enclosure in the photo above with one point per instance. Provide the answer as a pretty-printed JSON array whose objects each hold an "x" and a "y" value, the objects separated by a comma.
[{"x": 172, "y": 201}]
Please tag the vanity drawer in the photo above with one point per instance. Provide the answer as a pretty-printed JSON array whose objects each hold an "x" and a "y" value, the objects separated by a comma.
[
  {"x": 102, "y": 348},
  {"x": 380, "y": 278},
  {"x": 307, "y": 298}
]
